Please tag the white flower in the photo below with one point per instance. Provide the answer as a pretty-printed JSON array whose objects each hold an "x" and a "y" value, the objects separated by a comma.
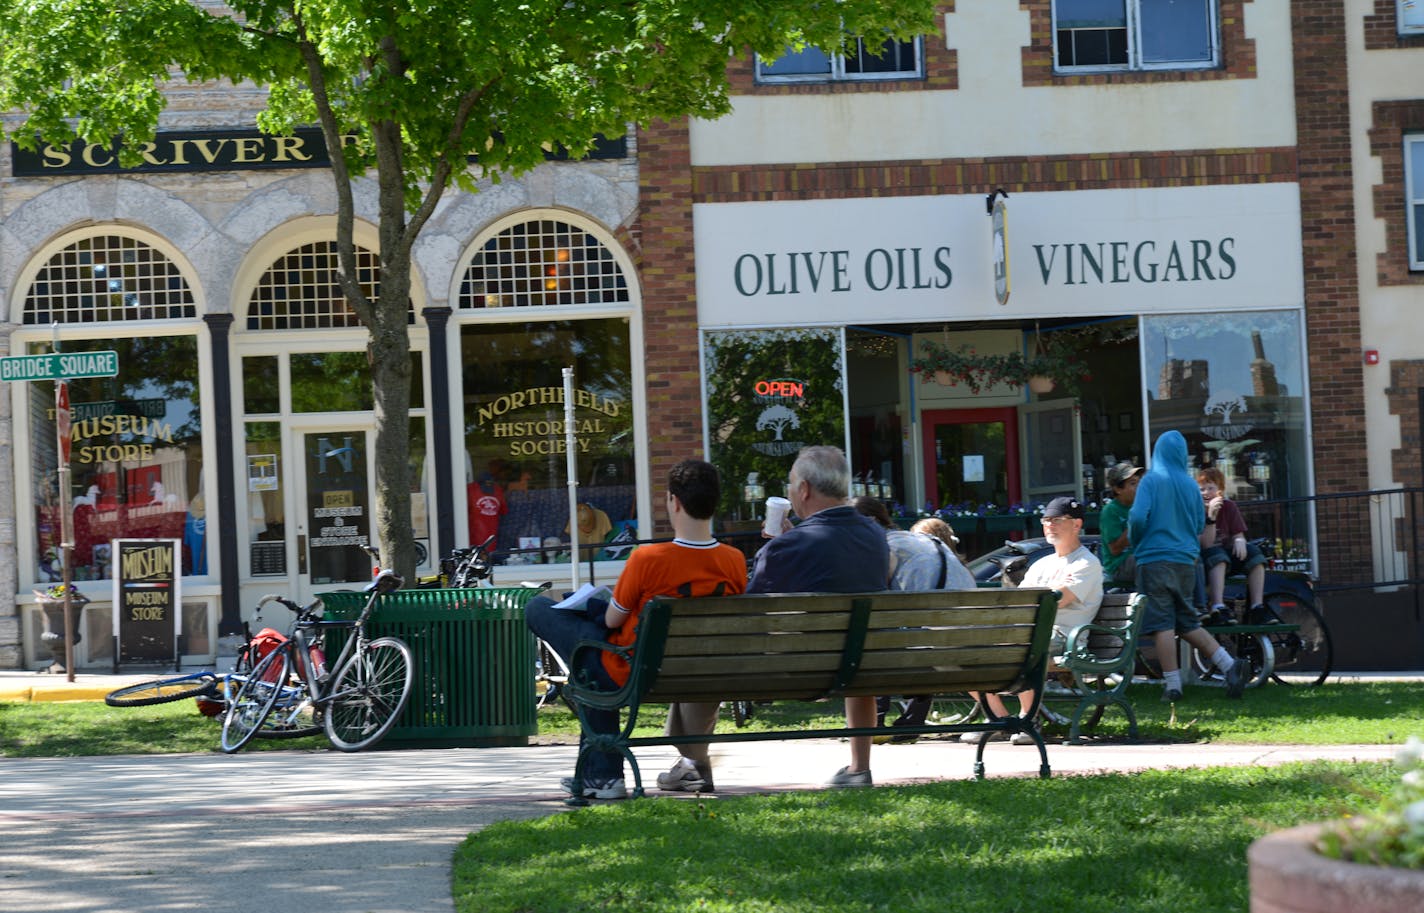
[
  {"x": 1414, "y": 816},
  {"x": 1410, "y": 753}
]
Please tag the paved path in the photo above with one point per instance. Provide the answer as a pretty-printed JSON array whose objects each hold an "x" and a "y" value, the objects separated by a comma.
[{"x": 374, "y": 832}]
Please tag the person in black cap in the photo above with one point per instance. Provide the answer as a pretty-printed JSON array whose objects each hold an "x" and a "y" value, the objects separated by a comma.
[
  {"x": 1076, "y": 574},
  {"x": 1119, "y": 565}
]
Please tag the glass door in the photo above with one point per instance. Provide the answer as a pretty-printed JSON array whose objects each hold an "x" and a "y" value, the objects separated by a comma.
[
  {"x": 971, "y": 458},
  {"x": 334, "y": 504},
  {"x": 1052, "y": 443}
]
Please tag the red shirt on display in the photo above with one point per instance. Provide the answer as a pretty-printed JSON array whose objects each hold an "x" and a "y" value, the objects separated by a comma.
[{"x": 485, "y": 510}]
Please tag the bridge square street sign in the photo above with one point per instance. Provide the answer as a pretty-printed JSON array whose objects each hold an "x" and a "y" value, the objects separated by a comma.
[{"x": 59, "y": 366}]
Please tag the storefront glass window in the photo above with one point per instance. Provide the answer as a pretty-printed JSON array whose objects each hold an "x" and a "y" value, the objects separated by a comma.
[
  {"x": 136, "y": 463},
  {"x": 770, "y": 393},
  {"x": 266, "y": 513},
  {"x": 260, "y": 390},
  {"x": 1234, "y": 385},
  {"x": 515, "y": 474},
  {"x": 341, "y": 382}
]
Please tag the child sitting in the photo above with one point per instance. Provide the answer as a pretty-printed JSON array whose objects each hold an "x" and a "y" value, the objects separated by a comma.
[{"x": 1224, "y": 546}]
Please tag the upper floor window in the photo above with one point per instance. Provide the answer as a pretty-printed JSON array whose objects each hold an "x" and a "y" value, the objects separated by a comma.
[
  {"x": 890, "y": 60},
  {"x": 1135, "y": 34},
  {"x": 1414, "y": 197},
  {"x": 1411, "y": 17}
]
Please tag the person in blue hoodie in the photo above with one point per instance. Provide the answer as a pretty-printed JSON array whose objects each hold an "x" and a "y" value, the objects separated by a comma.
[{"x": 1165, "y": 526}]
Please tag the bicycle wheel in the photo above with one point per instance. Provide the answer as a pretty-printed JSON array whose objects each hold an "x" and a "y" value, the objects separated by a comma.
[
  {"x": 1256, "y": 649},
  {"x": 949, "y": 709},
  {"x": 254, "y": 700},
  {"x": 368, "y": 693},
  {"x": 296, "y": 720},
  {"x": 163, "y": 690},
  {"x": 1308, "y": 651}
]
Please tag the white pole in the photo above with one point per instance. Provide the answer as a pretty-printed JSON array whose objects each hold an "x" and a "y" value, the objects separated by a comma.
[{"x": 571, "y": 457}]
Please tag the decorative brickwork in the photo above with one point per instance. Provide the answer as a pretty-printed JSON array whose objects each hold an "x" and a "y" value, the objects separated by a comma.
[
  {"x": 1238, "y": 53},
  {"x": 841, "y": 180},
  {"x": 1382, "y": 29},
  {"x": 664, "y": 226},
  {"x": 1332, "y": 292},
  {"x": 941, "y": 72},
  {"x": 1390, "y": 121}
]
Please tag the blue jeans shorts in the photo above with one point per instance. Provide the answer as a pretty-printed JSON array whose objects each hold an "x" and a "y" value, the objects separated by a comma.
[{"x": 1213, "y": 555}]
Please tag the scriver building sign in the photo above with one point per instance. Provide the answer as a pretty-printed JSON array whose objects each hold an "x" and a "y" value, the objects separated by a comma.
[{"x": 213, "y": 150}]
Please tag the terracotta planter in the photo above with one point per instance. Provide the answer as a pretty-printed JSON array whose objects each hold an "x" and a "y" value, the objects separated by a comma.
[
  {"x": 1040, "y": 384},
  {"x": 1288, "y": 876},
  {"x": 944, "y": 378}
]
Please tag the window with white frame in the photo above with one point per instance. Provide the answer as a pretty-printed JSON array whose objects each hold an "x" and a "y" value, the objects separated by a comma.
[
  {"x": 1411, "y": 17},
  {"x": 891, "y": 59},
  {"x": 1135, "y": 34},
  {"x": 1414, "y": 197}
]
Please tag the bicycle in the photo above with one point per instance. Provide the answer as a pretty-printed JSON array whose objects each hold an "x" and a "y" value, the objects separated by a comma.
[{"x": 356, "y": 703}]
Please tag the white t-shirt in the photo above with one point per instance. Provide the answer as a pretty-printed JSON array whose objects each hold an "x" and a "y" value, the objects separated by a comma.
[{"x": 1079, "y": 571}]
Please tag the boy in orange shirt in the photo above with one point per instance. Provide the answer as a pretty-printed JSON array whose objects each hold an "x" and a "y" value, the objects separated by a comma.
[{"x": 693, "y": 564}]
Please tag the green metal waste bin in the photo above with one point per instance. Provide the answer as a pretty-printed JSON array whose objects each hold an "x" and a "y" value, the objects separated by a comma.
[{"x": 474, "y": 663}]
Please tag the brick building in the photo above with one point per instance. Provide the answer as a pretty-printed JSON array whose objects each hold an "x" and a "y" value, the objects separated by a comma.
[{"x": 1212, "y": 215}]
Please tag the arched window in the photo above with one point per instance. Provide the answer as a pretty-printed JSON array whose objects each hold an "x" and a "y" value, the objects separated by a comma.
[
  {"x": 566, "y": 303},
  {"x": 542, "y": 262},
  {"x": 106, "y": 278},
  {"x": 300, "y": 292}
]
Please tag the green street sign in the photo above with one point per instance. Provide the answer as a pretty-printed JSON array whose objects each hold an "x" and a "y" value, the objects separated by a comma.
[{"x": 59, "y": 366}]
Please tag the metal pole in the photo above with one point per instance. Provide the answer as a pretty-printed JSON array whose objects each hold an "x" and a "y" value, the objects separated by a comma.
[
  {"x": 66, "y": 518},
  {"x": 571, "y": 461}
]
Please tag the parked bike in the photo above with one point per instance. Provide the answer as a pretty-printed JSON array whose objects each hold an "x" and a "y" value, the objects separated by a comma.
[{"x": 357, "y": 701}]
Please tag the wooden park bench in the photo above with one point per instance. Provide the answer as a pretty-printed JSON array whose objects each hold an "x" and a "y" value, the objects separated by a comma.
[{"x": 810, "y": 647}]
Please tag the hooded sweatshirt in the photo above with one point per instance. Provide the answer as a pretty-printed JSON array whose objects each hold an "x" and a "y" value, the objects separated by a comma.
[{"x": 1167, "y": 517}]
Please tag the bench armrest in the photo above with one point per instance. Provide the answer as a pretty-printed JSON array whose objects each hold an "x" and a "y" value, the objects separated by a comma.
[
  {"x": 1079, "y": 658},
  {"x": 580, "y": 689}
]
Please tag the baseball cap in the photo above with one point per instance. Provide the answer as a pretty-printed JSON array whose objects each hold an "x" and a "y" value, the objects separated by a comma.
[
  {"x": 1121, "y": 472},
  {"x": 1064, "y": 507}
]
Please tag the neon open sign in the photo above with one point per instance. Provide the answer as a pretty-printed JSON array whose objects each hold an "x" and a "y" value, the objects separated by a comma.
[{"x": 785, "y": 389}]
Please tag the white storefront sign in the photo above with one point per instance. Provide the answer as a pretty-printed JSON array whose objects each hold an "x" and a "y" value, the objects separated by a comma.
[{"x": 1088, "y": 252}]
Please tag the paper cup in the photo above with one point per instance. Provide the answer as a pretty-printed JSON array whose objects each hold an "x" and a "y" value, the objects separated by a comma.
[{"x": 776, "y": 511}]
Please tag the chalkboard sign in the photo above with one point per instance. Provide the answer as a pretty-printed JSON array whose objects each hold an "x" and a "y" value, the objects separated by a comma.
[{"x": 147, "y": 622}]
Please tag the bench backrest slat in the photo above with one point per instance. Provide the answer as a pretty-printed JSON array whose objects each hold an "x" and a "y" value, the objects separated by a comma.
[{"x": 810, "y": 645}]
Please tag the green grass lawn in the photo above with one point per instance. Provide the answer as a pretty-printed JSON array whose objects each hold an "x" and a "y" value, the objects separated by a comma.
[
  {"x": 1154, "y": 841},
  {"x": 1373, "y": 713}
]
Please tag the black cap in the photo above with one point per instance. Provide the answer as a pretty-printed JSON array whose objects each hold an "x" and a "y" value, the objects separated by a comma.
[{"x": 1064, "y": 507}]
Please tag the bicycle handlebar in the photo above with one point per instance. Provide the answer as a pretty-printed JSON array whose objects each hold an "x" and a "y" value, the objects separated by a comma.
[{"x": 289, "y": 604}]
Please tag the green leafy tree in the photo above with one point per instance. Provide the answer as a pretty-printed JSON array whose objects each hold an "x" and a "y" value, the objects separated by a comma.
[{"x": 415, "y": 90}]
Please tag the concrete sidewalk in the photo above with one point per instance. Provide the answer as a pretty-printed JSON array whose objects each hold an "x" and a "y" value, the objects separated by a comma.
[{"x": 375, "y": 831}]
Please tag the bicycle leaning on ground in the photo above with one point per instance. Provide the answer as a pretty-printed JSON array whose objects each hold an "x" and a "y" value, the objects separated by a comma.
[{"x": 356, "y": 702}]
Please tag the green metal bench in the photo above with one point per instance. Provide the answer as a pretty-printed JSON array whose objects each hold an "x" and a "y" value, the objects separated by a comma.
[
  {"x": 1101, "y": 656},
  {"x": 808, "y": 647}
]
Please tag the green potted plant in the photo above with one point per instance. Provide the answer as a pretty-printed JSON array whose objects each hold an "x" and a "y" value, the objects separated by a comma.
[
  {"x": 1051, "y": 365},
  {"x": 1367, "y": 863}
]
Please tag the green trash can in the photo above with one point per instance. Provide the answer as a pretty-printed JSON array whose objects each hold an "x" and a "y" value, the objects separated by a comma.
[{"x": 474, "y": 663}]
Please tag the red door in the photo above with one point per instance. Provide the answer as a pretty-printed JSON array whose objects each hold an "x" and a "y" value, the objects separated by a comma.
[{"x": 971, "y": 456}]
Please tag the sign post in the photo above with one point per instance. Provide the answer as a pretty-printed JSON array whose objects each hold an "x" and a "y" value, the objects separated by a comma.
[{"x": 60, "y": 368}]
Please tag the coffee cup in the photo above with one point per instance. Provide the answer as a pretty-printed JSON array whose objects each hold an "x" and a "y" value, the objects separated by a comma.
[{"x": 776, "y": 511}]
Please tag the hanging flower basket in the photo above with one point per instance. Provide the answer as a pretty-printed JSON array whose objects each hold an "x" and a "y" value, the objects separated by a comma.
[{"x": 1053, "y": 365}]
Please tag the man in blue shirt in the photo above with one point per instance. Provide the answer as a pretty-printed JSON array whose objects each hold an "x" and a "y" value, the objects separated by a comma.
[
  {"x": 1165, "y": 526},
  {"x": 833, "y": 549}
]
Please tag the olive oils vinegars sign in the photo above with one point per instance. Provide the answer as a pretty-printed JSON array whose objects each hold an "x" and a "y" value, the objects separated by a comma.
[{"x": 147, "y": 623}]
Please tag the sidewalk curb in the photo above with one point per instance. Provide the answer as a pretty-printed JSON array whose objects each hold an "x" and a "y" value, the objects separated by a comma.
[{"x": 53, "y": 692}]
